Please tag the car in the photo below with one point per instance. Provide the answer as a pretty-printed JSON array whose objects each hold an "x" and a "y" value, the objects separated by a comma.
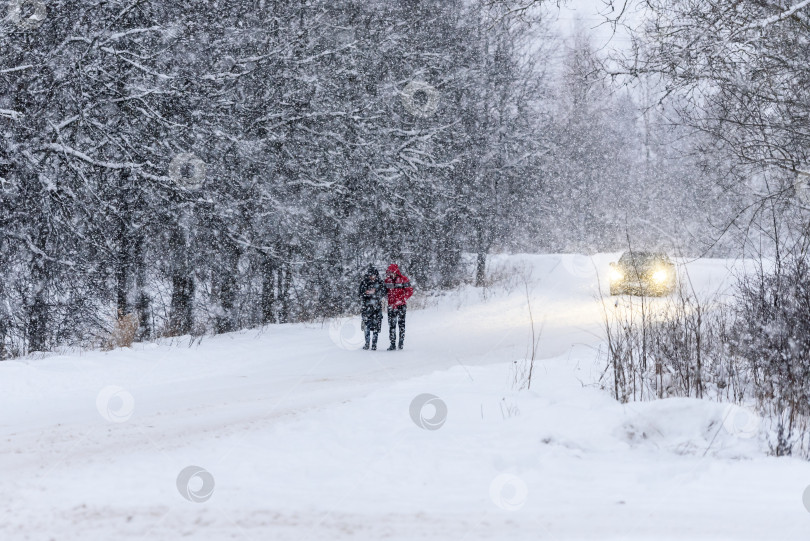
[{"x": 643, "y": 273}]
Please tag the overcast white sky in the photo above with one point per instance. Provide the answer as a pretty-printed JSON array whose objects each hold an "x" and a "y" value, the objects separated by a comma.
[{"x": 590, "y": 14}]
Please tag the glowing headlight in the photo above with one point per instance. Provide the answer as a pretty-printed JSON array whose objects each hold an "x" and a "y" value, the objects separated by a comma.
[
  {"x": 616, "y": 275},
  {"x": 660, "y": 275}
]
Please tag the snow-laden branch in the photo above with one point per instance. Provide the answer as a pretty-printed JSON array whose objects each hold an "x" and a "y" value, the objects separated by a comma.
[
  {"x": 17, "y": 68},
  {"x": 118, "y": 35},
  {"x": 119, "y": 54},
  {"x": 8, "y": 113},
  {"x": 135, "y": 167},
  {"x": 762, "y": 23},
  {"x": 85, "y": 158}
]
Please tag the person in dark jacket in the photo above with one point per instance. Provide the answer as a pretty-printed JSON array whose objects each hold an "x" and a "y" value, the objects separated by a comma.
[
  {"x": 399, "y": 291},
  {"x": 371, "y": 292}
]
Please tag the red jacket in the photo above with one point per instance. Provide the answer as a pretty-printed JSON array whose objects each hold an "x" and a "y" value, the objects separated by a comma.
[{"x": 399, "y": 287}]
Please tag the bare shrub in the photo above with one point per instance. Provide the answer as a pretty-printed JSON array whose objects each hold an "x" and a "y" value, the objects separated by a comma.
[
  {"x": 772, "y": 336},
  {"x": 125, "y": 328},
  {"x": 752, "y": 350},
  {"x": 664, "y": 347}
]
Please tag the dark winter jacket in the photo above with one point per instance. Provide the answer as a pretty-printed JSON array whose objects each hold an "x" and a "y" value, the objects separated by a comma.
[
  {"x": 399, "y": 286},
  {"x": 371, "y": 293}
]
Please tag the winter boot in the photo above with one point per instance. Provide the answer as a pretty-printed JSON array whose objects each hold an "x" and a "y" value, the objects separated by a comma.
[
  {"x": 393, "y": 347},
  {"x": 374, "y": 342},
  {"x": 367, "y": 338}
]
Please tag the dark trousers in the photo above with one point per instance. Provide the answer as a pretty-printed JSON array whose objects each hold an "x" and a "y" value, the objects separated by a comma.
[
  {"x": 396, "y": 316},
  {"x": 368, "y": 337}
]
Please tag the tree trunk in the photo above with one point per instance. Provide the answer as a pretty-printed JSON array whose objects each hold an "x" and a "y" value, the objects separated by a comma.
[
  {"x": 180, "y": 308},
  {"x": 143, "y": 307},
  {"x": 4, "y": 354},
  {"x": 142, "y": 300},
  {"x": 38, "y": 312},
  {"x": 180, "y": 318},
  {"x": 227, "y": 290},
  {"x": 122, "y": 270},
  {"x": 483, "y": 244},
  {"x": 5, "y": 317},
  {"x": 38, "y": 316},
  {"x": 268, "y": 297},
  {"x": 284, "y": 280},
  {"x": 481, "y": 268}
]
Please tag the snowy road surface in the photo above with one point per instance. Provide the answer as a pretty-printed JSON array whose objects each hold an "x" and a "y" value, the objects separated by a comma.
[{"x": 298, "y": 435}]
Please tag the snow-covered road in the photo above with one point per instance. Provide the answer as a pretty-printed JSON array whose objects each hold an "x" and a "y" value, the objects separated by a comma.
[{"x": 303, "y": 436}]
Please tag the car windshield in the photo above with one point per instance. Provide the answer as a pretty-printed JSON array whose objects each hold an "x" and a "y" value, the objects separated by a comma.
[{"x": 642, "y": 259}]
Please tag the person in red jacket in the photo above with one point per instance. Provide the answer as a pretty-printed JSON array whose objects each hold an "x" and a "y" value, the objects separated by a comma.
[{"x": 399, "y": 291}]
